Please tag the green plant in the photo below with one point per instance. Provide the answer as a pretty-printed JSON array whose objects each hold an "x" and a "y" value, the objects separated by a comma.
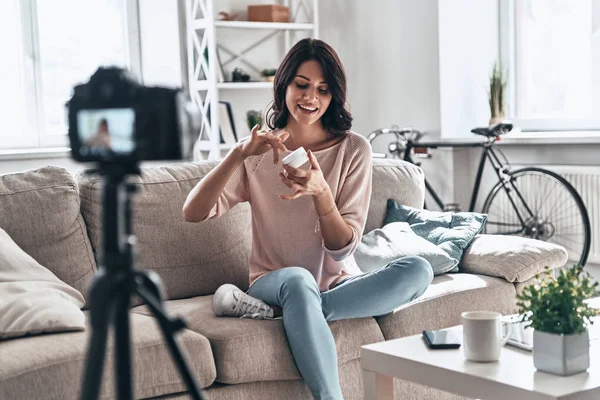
[
  {"x": 496, "y": 94},
  {"x": 268, "y": 72},
  {"x": 254, "y": 117},
  {"x": 556, "y": 305}
]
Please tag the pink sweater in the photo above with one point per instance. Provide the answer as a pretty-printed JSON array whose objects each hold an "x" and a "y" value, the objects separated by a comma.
[{"x": 283, "y": 231}]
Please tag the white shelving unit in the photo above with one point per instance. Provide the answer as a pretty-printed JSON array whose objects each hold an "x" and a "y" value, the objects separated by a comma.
[{"x": 202, "y": 31}]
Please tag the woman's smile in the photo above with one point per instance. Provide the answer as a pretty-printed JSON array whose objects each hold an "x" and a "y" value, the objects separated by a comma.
[{"x": 306, "y": 109}]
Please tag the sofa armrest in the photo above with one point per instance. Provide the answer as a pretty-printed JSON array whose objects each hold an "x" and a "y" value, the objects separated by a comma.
[{"x": 513, "y": 258}]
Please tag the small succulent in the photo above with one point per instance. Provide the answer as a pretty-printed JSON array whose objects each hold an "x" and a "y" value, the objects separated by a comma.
[
  {"x": 556, "y": 305},
  {"x": 254, "y": 117},
  {"x": 497, "y": 91},
  {"x": 268, "y": 72}
]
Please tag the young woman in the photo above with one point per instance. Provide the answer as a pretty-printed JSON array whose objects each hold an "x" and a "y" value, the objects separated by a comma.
[{"x": 307, "y": 221}]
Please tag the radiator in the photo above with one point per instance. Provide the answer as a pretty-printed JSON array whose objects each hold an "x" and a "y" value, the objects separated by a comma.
[{"x": 586, "y": 180}]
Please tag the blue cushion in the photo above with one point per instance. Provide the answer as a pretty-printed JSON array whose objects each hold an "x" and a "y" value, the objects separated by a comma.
[{"x": 452, "y": 232}]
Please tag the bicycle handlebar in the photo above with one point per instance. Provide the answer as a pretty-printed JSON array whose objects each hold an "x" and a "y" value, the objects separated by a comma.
[{"x": 399, "y": 132}]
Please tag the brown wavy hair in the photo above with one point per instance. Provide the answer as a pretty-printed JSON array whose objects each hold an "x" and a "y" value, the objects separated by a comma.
[{"x": 337, "y": 120}]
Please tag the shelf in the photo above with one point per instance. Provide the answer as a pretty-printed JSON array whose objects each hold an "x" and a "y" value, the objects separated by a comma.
[
  {"x": 203, "y": 85},
  {"x": 263, "y": 25},
  {"x": 203, "y": 23},
  {"x": 208, "y": 38},
  {"x": 245, "y": 85}
]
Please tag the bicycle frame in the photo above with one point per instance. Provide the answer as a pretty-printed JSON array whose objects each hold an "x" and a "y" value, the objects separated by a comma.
[{"x": 488, "y": 154}]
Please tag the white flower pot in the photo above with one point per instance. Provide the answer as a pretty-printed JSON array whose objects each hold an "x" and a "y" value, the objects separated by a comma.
[{"x": 561, "y": 354}]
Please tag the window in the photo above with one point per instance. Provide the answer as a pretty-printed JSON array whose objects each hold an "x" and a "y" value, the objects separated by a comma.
[
  {"x": 552, "y": 51},
  {"x": 50, "y": 46}
]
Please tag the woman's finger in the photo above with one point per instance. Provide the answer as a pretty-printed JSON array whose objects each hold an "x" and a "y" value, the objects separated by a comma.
[
  {"x": 297, "y": 172},
  {"x": 276, "y": 145},
  {"x": 254, "y": 131},
  {"x": 292, "y": 196},
  {"x": 283, "y": 136},
  {"x": 298, "y": 179},
  {"x": 290, "y": 183},
  {"x": 313, "y": 161},
  {"x": 285, "y": 180}
]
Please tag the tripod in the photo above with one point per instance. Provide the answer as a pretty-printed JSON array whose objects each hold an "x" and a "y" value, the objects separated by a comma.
[{"x": 111, "y": 290}]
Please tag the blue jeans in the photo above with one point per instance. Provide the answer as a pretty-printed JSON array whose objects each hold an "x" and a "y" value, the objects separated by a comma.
[{"x": 306, "y": 311}]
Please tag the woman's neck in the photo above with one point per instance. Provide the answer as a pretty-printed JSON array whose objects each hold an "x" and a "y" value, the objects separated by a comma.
[{"x": 311, "y": 137}]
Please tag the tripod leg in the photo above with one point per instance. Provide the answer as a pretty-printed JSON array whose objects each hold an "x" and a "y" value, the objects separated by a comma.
[
  {"x": 122, "y": 354},
  {"x": 100, "y": 310},
  {"x": 169, "y": 327}
]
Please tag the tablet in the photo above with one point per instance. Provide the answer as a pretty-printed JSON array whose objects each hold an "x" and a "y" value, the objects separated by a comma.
[{"x": 521, "y": 337}]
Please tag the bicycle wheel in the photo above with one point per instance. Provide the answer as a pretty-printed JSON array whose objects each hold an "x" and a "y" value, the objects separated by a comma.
[{"x": 540, "y": 204}]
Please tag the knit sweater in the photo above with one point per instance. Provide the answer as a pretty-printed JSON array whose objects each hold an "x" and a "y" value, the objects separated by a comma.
[{"x": 285, "y": 232}]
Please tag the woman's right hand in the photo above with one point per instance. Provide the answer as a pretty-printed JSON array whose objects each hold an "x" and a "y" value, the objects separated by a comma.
[{"x": 262, "y": 141}]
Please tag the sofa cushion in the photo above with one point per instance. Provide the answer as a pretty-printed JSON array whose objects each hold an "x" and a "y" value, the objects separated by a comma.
[
  {"x": 445, "y": 299},
  {"x": 394, "y": 179},
  {"x": 350, "y": 380},
  {"x": 513, "y": 258},
  {"x": 40, "y": 211},
  {"x": 191, "y": 258},
  {"x": 51, "y": 366},
  {"x": 248, "y": 350},
  {"x": 33, "y": 299}
]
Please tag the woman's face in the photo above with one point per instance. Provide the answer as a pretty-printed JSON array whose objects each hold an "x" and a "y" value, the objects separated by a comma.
[{"x": 307, "y": 96}]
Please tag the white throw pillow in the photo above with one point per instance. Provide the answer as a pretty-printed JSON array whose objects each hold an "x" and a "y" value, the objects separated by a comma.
[
  {"x": 32, "y": 299},
  {"x": 395, "y": 240},
  {"x": 514, "y": 258}
]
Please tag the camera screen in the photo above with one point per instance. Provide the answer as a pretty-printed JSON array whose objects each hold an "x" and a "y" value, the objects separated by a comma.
[{"x": 109, "y": 130}]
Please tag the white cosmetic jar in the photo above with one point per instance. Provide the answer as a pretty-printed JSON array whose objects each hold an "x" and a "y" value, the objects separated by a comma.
[{"x": 296, "y": 158}]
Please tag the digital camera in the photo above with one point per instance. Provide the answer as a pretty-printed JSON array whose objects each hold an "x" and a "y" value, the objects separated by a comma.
[{"x": 114, "y": 119}]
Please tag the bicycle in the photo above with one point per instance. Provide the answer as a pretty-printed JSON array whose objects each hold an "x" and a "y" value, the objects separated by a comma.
[{"x": 531, "y": 202}]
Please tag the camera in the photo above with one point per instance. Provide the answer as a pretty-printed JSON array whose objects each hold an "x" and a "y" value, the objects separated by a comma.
[{"x": 114, "y": 119}]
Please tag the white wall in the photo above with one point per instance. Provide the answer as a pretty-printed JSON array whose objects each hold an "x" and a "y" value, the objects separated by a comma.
[
  {"x": 469, "y": 46},
  {"x": 390, "y": 51}
]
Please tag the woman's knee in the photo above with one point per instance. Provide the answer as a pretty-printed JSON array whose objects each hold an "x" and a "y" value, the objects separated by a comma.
[
  {"x": 417, "y": 268},
  {"x": 299, "y": 281}
]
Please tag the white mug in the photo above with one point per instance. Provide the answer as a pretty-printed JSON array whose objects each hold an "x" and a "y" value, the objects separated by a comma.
[{"x": 482, "y": 335}]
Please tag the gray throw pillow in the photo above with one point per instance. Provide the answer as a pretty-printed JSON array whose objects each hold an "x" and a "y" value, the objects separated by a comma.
[
  {"x": 451, "y": 232},
  {"x": 381, "y": 246}
]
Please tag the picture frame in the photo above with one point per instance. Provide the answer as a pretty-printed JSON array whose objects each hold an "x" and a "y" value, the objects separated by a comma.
[{"x": 226, "y": 124}]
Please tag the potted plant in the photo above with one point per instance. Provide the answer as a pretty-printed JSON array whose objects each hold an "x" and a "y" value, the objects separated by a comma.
[
  {"x": 269, "y": 74},
  {"x": 559, "y": 315},
  {"x": 253, "y": 118},
  {"x": 496, "y": 95}
]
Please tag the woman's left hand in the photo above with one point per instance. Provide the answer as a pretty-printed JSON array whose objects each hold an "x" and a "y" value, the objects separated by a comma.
[{"x": 304, "y": 182}]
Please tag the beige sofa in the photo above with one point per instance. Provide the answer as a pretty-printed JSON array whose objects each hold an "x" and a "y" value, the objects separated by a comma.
[{"x": 55, "y": 217}]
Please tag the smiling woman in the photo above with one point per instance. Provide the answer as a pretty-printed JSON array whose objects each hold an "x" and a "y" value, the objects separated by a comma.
[
  {"x": 58, "y": 45},
  {"x": 306, "y": 225}
]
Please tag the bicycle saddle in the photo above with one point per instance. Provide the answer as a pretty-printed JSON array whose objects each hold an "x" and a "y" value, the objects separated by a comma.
[{"x": 494, "y": 130}]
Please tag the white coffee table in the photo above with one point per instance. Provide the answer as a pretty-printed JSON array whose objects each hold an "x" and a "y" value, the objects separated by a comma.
[{"x": 512, "y": 377}]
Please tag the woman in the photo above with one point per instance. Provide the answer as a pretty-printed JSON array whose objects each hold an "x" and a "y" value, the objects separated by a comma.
[
  {"x": 101, "y": 138},
  {"x": 303, "y": 239}
]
